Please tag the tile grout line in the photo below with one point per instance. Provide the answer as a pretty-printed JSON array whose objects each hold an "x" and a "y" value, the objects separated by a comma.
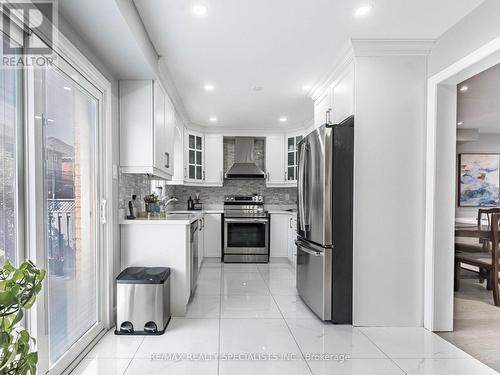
[
  {"x": 379, "y": 348},
  {"x": 286, "y": 323},
  {"x": 131, "y": 359}
]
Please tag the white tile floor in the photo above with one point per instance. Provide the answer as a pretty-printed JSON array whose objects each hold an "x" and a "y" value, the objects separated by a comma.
[{"x": 255, "y": 309}]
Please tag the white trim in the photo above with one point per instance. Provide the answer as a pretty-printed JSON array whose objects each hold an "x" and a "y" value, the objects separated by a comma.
[
  {"x": 430, "y": 287},
  {"x": 392, "y": 47}
]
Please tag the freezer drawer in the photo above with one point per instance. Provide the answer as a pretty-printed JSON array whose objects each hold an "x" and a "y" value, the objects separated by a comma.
[{"x": 314, "y": 277}]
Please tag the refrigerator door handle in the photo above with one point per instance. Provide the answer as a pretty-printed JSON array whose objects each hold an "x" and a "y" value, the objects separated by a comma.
[
  {"x": 300, "y": 189},
  {"x": 308, "y": 249}
]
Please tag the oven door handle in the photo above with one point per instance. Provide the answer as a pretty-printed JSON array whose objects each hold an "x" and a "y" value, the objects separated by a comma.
[{"x": 227, "y": 220}]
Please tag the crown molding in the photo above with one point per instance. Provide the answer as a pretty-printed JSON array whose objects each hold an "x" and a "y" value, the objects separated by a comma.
[
  {"x": 392, "y": 47},
  {"x": 339, "y": 69}
]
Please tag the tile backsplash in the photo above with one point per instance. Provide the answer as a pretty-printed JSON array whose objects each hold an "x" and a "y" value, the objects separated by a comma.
[
  {"x": 137, "y": 184},
  {"x": 215, "y": 195},
  {"x": 141, "y": 186}
]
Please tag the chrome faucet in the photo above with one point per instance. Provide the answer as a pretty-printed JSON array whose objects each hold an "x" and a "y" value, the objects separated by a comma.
[{"x": 167, "y": 202}]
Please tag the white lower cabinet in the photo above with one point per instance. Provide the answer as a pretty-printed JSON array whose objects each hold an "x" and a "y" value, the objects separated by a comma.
[
  {"x": 201, "y": 241},
  {"x": 212, "y": 235},
  {"x": 292, "y": 236},
  {"x": 278, "y": 247}
]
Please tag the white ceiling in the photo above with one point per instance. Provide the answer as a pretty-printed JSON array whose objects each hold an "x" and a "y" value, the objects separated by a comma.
[
  {"x": 100, "y": 24},
  {"x": 479, "y": 106},
  {"x": 280, "y": 45}
]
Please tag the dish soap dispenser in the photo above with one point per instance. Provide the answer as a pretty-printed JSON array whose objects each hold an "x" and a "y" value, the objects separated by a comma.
[{"x": 190, "y": 204}]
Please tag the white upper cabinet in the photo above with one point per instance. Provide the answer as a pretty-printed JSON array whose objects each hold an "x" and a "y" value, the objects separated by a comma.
[
  {"x": 170, "y": 130},
  {"x": 194, "y": 157},
  {"x": 214, "y": 160},
  {"x": 322, "y": 108},
  {"x": 343, "y": 97},
  {"x": 337, "y": 101},
  {"x": 275, "y": 163},
  {"x": 292, "y": 158},
  {"x": 179, "y": 170},
  {"x": 146, "y": 136}
]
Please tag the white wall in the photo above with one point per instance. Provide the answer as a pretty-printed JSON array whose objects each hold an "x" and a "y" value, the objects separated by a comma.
[
  {"x": 476, "y": 29},
  {"x": 389, "y": 193},
  {"x": 487, "y": 143}
]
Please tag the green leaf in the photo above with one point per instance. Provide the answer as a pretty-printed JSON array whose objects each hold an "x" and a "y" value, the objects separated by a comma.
[{"x": 8, "y": 298}]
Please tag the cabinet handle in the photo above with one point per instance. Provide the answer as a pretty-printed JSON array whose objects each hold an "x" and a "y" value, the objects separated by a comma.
[
  {"x": 268, "y": 173},
  {"x": 203, "y": 175},
  {"x": 168, "y": 160},
  {"x": 290, "y": 225},
  {"x": 286, "y": 176}
]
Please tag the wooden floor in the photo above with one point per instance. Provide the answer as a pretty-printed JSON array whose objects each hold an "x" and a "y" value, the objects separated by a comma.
[{"x": 477, "y": 323}]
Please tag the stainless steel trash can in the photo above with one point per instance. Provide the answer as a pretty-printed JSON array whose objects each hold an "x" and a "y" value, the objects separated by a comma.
[{"x": 143, "y": 301}]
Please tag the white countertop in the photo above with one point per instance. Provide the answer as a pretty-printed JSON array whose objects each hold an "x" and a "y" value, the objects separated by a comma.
[
  {"x": 185, "y": 217},
  {"x": 172, "y": 218}
]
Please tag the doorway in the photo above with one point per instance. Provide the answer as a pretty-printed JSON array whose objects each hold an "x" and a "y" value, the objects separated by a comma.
[{"x": 441, "y": 183}]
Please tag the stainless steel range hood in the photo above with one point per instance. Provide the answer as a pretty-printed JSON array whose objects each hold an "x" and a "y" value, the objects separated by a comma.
[{"x": 244, "y": 167}]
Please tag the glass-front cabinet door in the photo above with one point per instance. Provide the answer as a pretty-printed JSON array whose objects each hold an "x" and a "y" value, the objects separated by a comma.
[
  {"x": 195, "y": 157},
  {"x": 292, "y": 158}
]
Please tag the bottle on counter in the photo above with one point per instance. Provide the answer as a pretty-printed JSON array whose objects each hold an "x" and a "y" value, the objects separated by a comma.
[{"x": 190, "y": 204}]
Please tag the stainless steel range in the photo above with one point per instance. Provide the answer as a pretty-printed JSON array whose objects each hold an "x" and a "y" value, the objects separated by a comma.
[{"x": 246, "y": 229}]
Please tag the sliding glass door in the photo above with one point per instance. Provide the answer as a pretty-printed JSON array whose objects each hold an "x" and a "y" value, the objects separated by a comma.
[
  {"x": 11, "y": 140},
  {"x": 67, "y": 109}
]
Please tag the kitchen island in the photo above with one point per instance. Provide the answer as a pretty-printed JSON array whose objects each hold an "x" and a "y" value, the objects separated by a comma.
[{"x": 164, "y": 242}]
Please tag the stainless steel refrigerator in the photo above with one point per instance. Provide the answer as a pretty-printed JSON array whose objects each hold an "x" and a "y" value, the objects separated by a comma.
[{"x": 325, "y": 219}]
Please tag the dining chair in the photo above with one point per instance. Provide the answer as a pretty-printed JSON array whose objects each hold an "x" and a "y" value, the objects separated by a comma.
[
  {"x": 486, "y": 260},
  {"x": 488, "y": 212}
]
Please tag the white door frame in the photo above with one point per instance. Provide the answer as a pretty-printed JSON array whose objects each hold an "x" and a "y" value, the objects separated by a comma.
[
  {"x": 65, "y": 49},
  {"x": 438, "y": 278}
]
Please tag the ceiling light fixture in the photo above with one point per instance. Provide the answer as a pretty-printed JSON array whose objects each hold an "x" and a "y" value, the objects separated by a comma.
[
  {"x": 67, "y": 88},
  {"x": 460, "y": 123},
  {"x": 464, "y": 88},
  {"x": 212, "y": 119},
  {"x": 363, "y": 10},
  {"x": 209, "y": 87},
  {"x": 283, "y": 119},
  {"x": 199, "y": 10},
  {"x": 257, "y": 88},
  {"x": 306, "y": 88}
]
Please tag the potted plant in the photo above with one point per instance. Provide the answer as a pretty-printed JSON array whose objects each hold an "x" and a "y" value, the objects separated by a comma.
[
  {"x": 152, "y": 202},
  {"x": 18, "y": 290}
]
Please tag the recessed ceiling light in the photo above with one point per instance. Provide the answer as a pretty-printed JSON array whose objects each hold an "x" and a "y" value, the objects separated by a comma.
[
  {"x": 257, "y": 88},
  {"x": 199, "y": 10},
  {"x": 283, "y": 119},
  {"x": 212, "y": 119},
  {"x": 460, "y": 123},
  {"x": 306, "y": 87},
  {"x": 363, "y": 10},
  {"x": 67, "y": 88},
  {"x": 464, "y": 88},
  {"x": 209, "y": 87}
]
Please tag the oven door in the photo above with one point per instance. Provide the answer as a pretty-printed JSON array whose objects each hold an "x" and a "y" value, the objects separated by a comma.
[{"x": 246, "y": 235}]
